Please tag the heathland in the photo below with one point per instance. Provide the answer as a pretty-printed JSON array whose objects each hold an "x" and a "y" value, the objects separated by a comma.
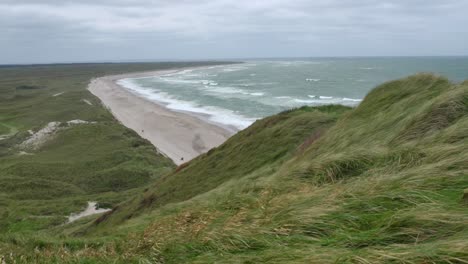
[{"x": 384, "y": 182}]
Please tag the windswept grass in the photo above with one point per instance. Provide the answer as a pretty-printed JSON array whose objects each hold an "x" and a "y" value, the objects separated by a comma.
[
  {"x": 266, "y": 143},
  {"x": 382, "y": 183},
  {"x": 99, "y": 161}
]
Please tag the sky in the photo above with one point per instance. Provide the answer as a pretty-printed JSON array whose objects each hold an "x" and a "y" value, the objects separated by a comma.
[{"x": 46, "y": 31}]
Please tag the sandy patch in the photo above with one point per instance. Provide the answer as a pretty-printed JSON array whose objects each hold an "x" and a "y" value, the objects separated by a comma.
[
  {"x": 90, "y": 210},
  {"x": 87, "y": 101},
  {"x": 37, "y": 139},
  {"x": 78, "y": 122},
  {"x": 40, "y": 137}
]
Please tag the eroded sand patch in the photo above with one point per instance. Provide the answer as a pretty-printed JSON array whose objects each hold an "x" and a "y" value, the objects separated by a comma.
[
  {"x": 90, "y": 210},
  {"x": 87, "y": 101},
  {"x": 37, "y": 139}
]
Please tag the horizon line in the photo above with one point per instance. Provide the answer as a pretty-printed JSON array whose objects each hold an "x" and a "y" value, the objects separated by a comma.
[{"x": 240, "y": 59}]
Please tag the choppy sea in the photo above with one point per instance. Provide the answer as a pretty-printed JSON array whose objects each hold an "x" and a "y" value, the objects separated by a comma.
[{"x": 236, "y": 95}]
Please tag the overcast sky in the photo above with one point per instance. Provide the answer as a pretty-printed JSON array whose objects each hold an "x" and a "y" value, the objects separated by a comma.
[{"x": 41, "y": 31}]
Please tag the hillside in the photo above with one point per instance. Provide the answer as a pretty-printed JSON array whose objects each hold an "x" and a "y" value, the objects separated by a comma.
[
  {"x": 59, "y": 148},
  {"x": 381, "y": 183}
]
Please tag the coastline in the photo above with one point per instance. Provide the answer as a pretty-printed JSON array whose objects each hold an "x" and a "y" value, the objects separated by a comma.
[{"x": 178, "y": 135}]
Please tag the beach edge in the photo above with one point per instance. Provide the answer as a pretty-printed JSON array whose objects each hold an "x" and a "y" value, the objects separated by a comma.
[{"x": 177, "y": 135}]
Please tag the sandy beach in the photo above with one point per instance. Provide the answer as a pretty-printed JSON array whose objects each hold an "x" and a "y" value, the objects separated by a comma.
[{"x": 180, "y": 136}]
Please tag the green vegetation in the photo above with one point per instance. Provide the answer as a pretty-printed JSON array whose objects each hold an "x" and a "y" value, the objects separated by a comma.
[
  {"x": 98, "y": 161},
  {"x": 382, "y": 183}
]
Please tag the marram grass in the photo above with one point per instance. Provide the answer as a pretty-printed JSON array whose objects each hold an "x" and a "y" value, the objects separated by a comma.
[{"x": 382, "y": 183}]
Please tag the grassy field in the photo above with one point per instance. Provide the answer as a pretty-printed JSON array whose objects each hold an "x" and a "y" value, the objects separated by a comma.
[
  {"x": 98, "y": 161},
  {"x": 382, "y": 183}
]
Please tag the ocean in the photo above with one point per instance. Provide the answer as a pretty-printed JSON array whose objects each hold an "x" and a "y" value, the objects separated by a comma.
[{"x": 236, "y": 95}]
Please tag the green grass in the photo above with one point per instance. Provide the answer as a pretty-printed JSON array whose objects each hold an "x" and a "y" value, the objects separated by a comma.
[
  {"x": 265, "y": 144},
  {"x": 4, "y": 129},
  {"x": 382, "y": 183},
  {"x": 101, "y": 161}
]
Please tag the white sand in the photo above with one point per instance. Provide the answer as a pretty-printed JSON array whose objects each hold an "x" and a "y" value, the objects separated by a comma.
[
  {"x": 79, "y": 122},
  {"x": 175, "y": 134},
  {"x": 40, "y": 137},
  {"x": 87, "y": 101},
  {"x": 90, "y": 210}
]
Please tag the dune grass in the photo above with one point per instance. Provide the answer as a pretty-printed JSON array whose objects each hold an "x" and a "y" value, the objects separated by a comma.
[
  {"x": 99, "y": 161},
  {"x": 382, "y": 183},
  {"x": 4, "y": 129}
]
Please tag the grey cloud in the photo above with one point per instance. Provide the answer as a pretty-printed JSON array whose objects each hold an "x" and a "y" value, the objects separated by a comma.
[{"x": 143, "y": 29}]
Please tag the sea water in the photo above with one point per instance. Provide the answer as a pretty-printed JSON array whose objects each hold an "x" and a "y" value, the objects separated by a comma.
[{"x": 238, "y": 94}]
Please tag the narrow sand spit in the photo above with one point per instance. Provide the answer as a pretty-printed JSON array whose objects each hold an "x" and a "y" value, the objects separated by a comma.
[
  {"x": 180, "y": 136},
  {"x": 90, "y": 210}
]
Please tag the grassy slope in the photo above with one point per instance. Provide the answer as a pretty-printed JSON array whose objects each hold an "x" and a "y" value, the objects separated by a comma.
[
  {"x": 380, "y": 183},
  {"x": 104, "y": 161},
  {"x": 264, "y": 145}
]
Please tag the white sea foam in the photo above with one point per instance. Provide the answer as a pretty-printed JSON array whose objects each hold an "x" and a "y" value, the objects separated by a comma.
[
  {"x": 214, "y": 114},
  {"x": 305, "y": 101},
  {"x": 180, "y": 80},
  {"x": 194, "y": 90},
  {"x": 321, "y": 97},
  {"x": 223, "y": 90},
  {"x": 352, "y": 100},
  {"x": 234, "y": 68},
  {"x": 257, "y": 94},
  {"x": 192, "y": 75},
  {"x": 318, "y": 101},
  {"x": 294, "y": 63},
  {"x": 324, "y": 100},
  {"x": 229, "y": 90}
]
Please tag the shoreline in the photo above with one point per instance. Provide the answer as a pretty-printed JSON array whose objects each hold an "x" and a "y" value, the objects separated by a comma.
[{"x": 180, "y": 136}]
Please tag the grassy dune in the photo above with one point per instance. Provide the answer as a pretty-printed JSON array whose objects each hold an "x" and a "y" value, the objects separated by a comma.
[
  {"x": 100, "y": 161},
  {"x": 382, "y": 183}
]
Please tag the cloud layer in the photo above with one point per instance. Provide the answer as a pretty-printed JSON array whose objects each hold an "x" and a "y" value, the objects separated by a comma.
[{"x": 97, "y": 30}]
